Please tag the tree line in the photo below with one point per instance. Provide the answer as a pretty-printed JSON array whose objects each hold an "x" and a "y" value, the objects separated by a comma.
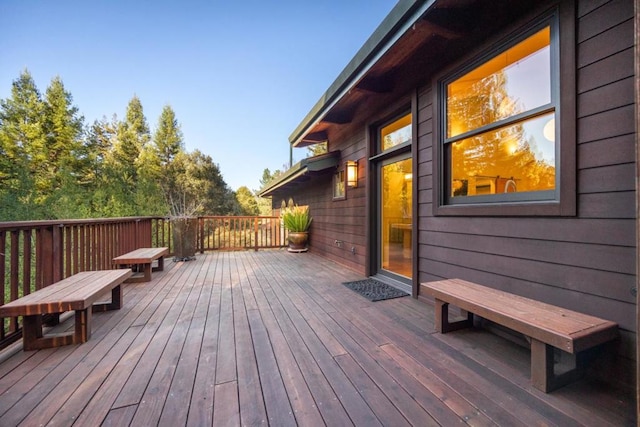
[{"x": 54, "y": 166}]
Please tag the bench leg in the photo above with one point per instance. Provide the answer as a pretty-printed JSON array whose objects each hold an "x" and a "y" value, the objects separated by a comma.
[
  {"x": 115, "y": 304},
  {"x": 34, "y": 339},
  {"x": 442, "y": 319},
  {"x": 83, "y": 326},
  {"x": 541, "y": 366},
  {"x": 160, "y": 266},
  {"x": 31, "y": 331},
  {"x": 543, "y": 376},
  {"x": 147, "y": 272}
]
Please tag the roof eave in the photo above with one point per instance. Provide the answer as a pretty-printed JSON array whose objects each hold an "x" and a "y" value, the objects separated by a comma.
[
  {"x": 399, "y": 20},
  {"x": 302, "y": 168}
]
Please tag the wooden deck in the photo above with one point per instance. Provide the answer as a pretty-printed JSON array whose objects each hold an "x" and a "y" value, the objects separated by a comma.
[{"x": 272, "y": 338}]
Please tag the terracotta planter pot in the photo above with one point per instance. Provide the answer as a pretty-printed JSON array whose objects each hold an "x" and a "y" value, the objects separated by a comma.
[{"x": 298, "y": 241}]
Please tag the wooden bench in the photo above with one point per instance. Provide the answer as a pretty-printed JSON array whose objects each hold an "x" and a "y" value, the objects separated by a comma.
[
  {"x": 142, "y": 259},
  {"x": 547, "y": 326},
  {"x": 79, "y": 293}
]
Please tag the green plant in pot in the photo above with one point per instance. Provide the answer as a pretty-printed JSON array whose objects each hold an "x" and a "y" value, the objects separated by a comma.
[{"x": 296, "y": 220}]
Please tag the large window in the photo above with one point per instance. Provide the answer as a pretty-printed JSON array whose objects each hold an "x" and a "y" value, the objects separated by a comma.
[{"x": 500, "y": 141}]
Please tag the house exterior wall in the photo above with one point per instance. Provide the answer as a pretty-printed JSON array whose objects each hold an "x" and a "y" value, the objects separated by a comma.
[
  {"x": 338, "y": 225},
  {"x": 585, "y": 262}
]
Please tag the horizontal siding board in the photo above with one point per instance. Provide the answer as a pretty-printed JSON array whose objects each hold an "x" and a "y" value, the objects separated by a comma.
[
  {"x": 607, "y": 205},
  {"x": 605, "y": 152},
  {"x": 610, "y": 69},
  {"x": 425, "y": 182},
  {"x": 608, "y": 16},
  {"x": 607, "y": 124},
  {"x": 607, "y": 179},
  {"x": 425, "y": 99},
  {"x": 614, "y": 95},
  {"x": 425, "y": 209},
  {"x": 425, "y": 154},
  {"x": 425, "y": 115},
  {"x": 587, "y": 6},
  {"x": 425, "y": 168},
  {"x": 606, "y": 44},
  {"x": 617, "y": 259},
  {"x": 425, "y": 141},
  {"x": 425, "y": 196},
  {"x": 618, "y": 232}
]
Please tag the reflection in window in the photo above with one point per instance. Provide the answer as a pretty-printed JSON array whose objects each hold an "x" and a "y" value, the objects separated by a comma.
[
  {"x": 396, "y": 217},
  {"x": 338, "y": 185},
  {"x": 500, "y": 122},
  {"x": 506, "y": 160},
  {"x": 396, "y": 133}
]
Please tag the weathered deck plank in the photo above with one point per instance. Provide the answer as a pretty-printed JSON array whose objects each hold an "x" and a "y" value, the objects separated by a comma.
[{"x": 273, "y": 338}]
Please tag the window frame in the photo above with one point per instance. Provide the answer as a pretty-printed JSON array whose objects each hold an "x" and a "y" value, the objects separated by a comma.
[{"x": 558, "y": 202}]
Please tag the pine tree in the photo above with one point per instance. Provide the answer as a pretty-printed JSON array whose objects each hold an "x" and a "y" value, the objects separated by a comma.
[
  {"x": 123, "y": 162},
  {"x": 168, "y": 137},
  {"x": 62, "y": 193},
  {"x": 168, "y": 145},
  {"x": 22, "y": 151}
]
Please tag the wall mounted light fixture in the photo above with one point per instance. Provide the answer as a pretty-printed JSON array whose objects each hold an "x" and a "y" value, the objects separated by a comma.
[{"x": 352, "y": 173}]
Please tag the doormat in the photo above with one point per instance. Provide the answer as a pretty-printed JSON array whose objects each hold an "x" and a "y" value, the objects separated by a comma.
[{"x": 374, "y": 290}]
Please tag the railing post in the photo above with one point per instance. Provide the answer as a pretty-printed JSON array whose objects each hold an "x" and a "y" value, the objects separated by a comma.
[
  {"x": 137, "y": 239},
  {"x": 255, "y": 228},
  {"x": 58, "y": 253},
  {"x": 201, "y": 229},
  {"x": 45, "y": 261}
]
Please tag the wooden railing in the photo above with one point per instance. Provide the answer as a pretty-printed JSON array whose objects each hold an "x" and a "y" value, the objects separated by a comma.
[
  {"x": 35, "y": 254},
  {"x": 240, "y": 232}
]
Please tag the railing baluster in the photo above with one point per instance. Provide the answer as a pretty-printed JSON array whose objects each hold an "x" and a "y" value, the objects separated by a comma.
[
  {"x": 14, "y": 275},
  {"x": 3, "y": 277},
  {"x": 26, "y": 263}
]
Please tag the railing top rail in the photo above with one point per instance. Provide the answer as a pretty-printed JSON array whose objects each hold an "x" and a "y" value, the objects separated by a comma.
[
  {"x": 237, "y": 216},
  {"x": 13, "y": 225}
]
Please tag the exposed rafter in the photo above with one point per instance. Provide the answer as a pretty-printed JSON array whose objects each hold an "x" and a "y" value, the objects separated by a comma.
[
  {"x": 429, "y": 27},
  {"x": 316, "y": 137},
  {"x": 375, "y": 85},
  {"x": 338, "y": 117}
]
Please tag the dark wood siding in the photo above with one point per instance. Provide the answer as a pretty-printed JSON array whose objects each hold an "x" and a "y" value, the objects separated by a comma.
[
  {"x": 586, "y": 263},
  {"x": 336, "y": 220}
]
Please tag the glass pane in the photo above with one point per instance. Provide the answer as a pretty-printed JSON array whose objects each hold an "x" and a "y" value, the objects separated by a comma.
[
  {"x": 513, "y": 82},
  {"x": 396, "y": 133},
  {"x": 338, "y": 184},
  {"x": 396, "y": 221},
  {"x": 514, "y": 158}
]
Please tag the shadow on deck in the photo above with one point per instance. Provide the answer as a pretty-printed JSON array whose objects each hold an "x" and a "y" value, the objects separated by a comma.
[{"x": 257, "y": 338}]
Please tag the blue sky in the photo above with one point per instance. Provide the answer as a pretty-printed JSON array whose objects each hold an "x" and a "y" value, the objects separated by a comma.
[{"x": 240, "y": 75}]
